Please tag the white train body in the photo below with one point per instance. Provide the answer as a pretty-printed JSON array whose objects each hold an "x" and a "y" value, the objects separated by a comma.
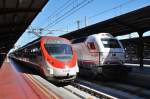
[
  {"x": 53, "y": 56},
  {"x": 98, "y": 50}
]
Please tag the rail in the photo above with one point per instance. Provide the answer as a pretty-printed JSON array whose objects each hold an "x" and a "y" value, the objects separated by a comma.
[{"x": 93, "y": 92}]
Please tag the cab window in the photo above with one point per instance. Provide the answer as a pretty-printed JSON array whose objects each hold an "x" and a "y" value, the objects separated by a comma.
[{"x": 91, "y": 45}]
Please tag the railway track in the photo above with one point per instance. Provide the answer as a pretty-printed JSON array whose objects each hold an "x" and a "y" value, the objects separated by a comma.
[
  {"x": 135, "y": 86},
  {"x": 65, "y": 92},
  {"x": 135, "y": 90},
  {"x": 74, "y": 90},
  {"x": 118, "y": 89},
  {"x": 92, "y": 91},
  {"x": 81, "y": 89}
]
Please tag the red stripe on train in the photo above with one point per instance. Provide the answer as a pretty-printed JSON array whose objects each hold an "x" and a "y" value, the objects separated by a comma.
[{"x": 55, "y": 62}]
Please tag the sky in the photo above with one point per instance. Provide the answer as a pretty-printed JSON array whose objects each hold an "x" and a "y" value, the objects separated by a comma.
[{"x": 62, "y": 16}]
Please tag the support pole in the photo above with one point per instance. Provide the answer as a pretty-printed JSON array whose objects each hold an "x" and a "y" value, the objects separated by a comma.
[
  {"x": 141, "y": 48},
  {"x": 78, "y": 24}
]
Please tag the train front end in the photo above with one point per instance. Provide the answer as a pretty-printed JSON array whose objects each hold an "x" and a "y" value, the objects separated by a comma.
[
  {"x": 112, "y": 57},
  {"x": 112, "y": 52},
  {"x": 60, "y": 59}
]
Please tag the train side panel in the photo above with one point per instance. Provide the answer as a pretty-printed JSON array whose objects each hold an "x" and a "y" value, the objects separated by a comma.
[
  {"x": 53, "y": 56},
  {"x": 100, "y": 54}
]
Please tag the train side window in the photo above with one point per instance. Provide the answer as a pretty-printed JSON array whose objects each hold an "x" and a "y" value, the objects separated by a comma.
[
  {"x": 39, "y": 52},
  {"x": 31, "y": 53},
  {"x": 91, "y": 45},
  {"x": 79, "y": 40}
]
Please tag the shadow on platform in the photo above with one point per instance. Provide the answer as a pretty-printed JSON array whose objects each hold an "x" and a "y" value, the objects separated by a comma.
[
  {"x": 25, "y": 68},
  {"x": 2, "y": 58},
  {"x": 1, "y": 62}
]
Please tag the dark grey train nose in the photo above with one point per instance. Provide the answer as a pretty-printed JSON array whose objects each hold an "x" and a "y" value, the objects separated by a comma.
[
  {"x": 67, "y": 74},
  {"x": 114, "y": 54}
]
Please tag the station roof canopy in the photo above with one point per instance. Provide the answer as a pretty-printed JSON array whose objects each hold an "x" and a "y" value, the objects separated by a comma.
[
  {"x": 135, "y": 21},
  {"x": 15, "y": 17},
  {"x": 146, "y": 39}
]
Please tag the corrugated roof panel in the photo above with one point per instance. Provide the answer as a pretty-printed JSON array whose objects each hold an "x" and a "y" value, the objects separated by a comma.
[
  {"x": 15, "y": 17},
  {"x": 134, "y": 21}
]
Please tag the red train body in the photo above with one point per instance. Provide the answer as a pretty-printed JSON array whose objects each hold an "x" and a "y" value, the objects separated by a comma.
[{"x": 53, "y": 56}]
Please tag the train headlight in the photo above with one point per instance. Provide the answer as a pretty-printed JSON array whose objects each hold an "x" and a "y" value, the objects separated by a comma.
[
  {"x": 101, "y": 56},
  {"x": 101, "y": 59},
  {"x": 101, "y": 53},
  {"x": 50, "y": 70}
]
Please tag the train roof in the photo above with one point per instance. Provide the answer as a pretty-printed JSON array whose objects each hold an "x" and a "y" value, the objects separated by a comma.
[
  {"x": 30, "y": 43},
  {"x": 38, "y": 40},
  {"x": 103, "y": 35}
]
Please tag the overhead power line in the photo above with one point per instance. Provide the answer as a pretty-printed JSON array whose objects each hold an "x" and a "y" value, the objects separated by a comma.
[
  {"x": 57, "y": 11},
  {"x": 69, "y": 12},
  {"x": 115, "y": 7},
  {"x": 38, "y": 32},
  {"x": 60, "y": 9}
]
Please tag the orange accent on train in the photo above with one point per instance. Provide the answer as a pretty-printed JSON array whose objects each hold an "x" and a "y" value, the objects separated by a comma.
[
  {"x": 55, "y": 62},
  {"x": 53, "y": 56}
]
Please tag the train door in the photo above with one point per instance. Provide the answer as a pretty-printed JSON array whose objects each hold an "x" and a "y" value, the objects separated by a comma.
[
  {"x": 40, "y": 60},
  {"x": 39, "y": 55},
  {"x": 94, "y": 53}
]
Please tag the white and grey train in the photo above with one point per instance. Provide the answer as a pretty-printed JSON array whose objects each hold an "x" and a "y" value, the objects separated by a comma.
[{"x": 100, "y": 54}]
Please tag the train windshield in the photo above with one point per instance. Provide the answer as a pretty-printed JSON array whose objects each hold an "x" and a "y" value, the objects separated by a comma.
[
  {"x": 110, "y": 43},
  {"x": 59, "y": 51}
]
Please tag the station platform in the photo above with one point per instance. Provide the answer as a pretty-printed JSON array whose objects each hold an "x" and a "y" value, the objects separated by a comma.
[
  {"x": 18, "y": 81},
  {"x": 22, "y": 85},
  {"x": 15, "y": 85},
  {"x": 139, "y": 76},
  {"x": 137, "y": 69}
]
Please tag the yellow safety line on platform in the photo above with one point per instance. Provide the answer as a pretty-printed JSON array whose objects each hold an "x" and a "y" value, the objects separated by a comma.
[
  {"x": 43, "y": 87},
  {"x": 43, "y": 91}
]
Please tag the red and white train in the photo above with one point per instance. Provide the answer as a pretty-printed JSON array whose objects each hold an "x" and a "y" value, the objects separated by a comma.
[
  {"x": 53, "y": 56},
  {"x": 100, "y": 54}
]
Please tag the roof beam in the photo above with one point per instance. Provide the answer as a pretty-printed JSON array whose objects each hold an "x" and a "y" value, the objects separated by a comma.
[
  {"x": 10, "y": 25},
  {"x": 15, "y": 15},
  {"x": 133, "y": 28},
  {"x": 29, "y": 7},
  {"x": 4, "y": 16},
  {"x": 16, "y": 10}
]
